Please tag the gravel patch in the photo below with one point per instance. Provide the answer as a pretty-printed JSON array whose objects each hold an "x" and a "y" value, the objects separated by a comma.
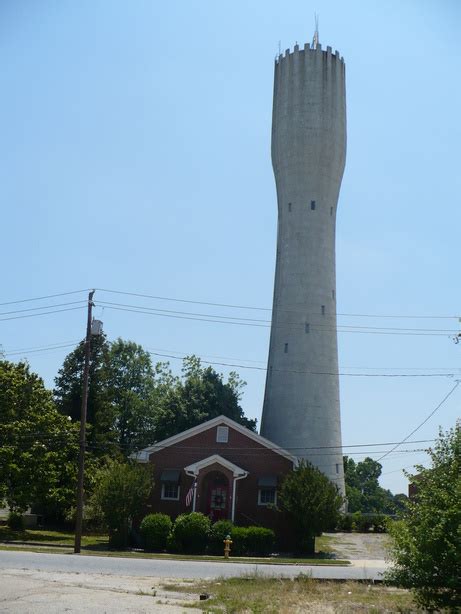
[{"x": 361, "y": 546}]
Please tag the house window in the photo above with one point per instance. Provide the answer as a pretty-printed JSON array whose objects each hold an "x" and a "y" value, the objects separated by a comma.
[
  {"x": 267, "y": 496},
  {"x": 267, "y": 490},
  {"x": 306, "y": 327},
  {"x": 170, "y": 491},
  {"x": 286, "y": 348},
  {"x": 170, "y": 484},
  {"x": 313, "y": 205},
  {"x": 222, "y": 434},
  {"x": 323, "y": 310},
  {"x": 289, "y": 207}
]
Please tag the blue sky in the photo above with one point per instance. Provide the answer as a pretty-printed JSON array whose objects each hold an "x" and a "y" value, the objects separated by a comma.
[{"x": 135, "y": 156}]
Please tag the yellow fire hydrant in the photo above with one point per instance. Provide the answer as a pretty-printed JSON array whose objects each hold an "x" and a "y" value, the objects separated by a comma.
[{"x": 227, "y": 546}]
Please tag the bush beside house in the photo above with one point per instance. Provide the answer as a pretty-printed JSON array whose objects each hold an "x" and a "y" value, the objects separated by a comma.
[
  {"x": 190, "y": 533},
  {"x": 194, "y": 534},
  {"x": 155, "y": 529}
]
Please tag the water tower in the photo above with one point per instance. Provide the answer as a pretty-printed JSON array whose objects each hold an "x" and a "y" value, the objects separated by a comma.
[{"x": 301, "y": 405}]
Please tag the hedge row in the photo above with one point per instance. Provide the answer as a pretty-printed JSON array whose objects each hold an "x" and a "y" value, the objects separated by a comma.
[
  {"x": 363, "y": 523},
  {"x": 194, "y": 534}
]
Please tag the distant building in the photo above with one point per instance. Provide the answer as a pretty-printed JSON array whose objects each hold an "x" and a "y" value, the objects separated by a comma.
[{"x": 222, "y": 469}]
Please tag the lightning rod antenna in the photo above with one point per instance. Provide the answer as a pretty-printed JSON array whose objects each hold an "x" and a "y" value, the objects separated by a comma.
[{"x": 315, "y": 40}]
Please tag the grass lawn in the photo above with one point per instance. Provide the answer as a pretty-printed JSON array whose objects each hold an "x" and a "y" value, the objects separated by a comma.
[
  {"x": 62, "y": 541},
  {"x": 50, "y": 538},
  {"x": 257, "y": 594}
]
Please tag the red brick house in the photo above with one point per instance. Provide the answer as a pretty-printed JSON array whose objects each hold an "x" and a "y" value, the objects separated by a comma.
[{"x": 222, "y": 469}]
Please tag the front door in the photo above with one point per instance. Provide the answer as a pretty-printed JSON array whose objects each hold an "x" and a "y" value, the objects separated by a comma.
[{"x": 217, "y": 496}]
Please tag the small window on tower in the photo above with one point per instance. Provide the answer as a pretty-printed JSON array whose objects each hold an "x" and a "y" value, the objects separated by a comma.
[
  {"x": 333, "y": 294},
  {"x": 286, "y": 348},
  {"x": 331, "y": 210},
  {"x": 306, "y": 327},
  {"x": 337, "y": 467},
  {"x": 289, "y": 207},
  {"x": 313, "y": 205},
  {"x": 323, "y": 310}
]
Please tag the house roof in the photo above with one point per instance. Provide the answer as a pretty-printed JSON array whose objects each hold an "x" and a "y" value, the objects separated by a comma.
[{"x": 143, "y": 455}]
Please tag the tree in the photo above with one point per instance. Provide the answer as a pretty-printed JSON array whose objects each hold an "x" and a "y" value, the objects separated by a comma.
[
  {"x": 132, "y": 403},
  {"x": 426, "y": 546},
  {"x": 121, "y": 492},
  {"x": 38, "y": 445},
  {"x": 311, "y": 501},
  {"x": 363, "y": 492},
  {"x": 200, "y": 395},
  {"x": 68, "y": 393},
  {"x": 131, "y": 392}
]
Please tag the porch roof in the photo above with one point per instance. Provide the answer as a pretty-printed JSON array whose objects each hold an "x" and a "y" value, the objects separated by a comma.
[{"x": 195, "y": 468}]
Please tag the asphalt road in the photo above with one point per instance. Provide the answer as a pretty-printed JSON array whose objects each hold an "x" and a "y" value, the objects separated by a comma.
[{"x": 164, "y": 568}]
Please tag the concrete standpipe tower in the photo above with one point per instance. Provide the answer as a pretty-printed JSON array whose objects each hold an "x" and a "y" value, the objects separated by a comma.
[{"x": 301, "y": 404}]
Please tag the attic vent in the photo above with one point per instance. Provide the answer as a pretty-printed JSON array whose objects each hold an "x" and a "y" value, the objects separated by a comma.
[{"x": 222, "y": 434}]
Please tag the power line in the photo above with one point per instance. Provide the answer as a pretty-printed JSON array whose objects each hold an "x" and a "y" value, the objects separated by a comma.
[
  {"x": 40, "y": 298},
  {"x": 34, "y": 315},
  {"x": 332, "y": 373},
  {"x": 397, "y": 470},
  {"x": 43, "y": 347},
  {"x": 216, "y": 319},
  {"x": 316, "y": 326},
  {"x": 4, "y": 313},
  {"x": 48, "y": 348},
  {"x": 38, "y": 435},
  {"x": 446, "y": 397},
  {"x": 252, "y": 307},
  {"x": 65, "y": 344},
  {"x": 205, "y": 315},
  {"x": 229, "y": 305}
]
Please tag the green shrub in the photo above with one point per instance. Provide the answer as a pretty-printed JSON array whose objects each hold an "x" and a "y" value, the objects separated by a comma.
[
  {"x": 15, "y": 521},
  {"x": 425, "y": 544},
  {"x": 121, "y": 491},
  {"x": 191, "y": 531},
  {"x": 361, "y": 523},
  {"x": 155, "y": 529},
  {"x": 172, "y": 544},
  {"x": 259, "y": 541},
  {"x": 379, "y": 523},
  {"x": 239, "y": 541},
  {"x": 219, "y": 531},
  {"x": 252, "y": 541},
  {"x": 345, "y": 523},
  {"x": 118, "y": 538}
]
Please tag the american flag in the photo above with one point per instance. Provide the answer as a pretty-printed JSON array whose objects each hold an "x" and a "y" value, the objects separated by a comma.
[{"x": 190, "y": 493}]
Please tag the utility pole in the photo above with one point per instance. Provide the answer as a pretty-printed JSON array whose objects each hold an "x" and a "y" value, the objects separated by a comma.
[{"x": 81, "y": 454}]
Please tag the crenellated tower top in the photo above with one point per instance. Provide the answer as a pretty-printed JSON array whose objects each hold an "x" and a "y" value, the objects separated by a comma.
[{"x": 316, "y": 47}]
